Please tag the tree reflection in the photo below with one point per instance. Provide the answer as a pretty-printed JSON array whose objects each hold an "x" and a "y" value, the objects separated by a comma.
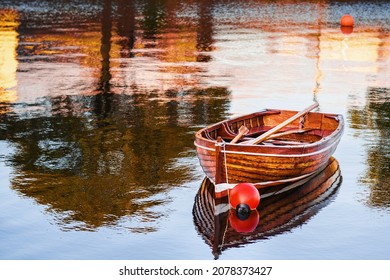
[
  {"x": 126, "y": 26},
  {"x": 376, "y": 117},
  {"x": 93, "y": 167},
  {"x": 205, "y": 30},
  {"x": 106, "y": 23},
  {"x": 94, "y": 158},
  {"x": 153, "y": 19}
]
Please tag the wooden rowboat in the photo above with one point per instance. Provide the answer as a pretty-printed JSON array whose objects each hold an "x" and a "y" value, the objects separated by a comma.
[
  {"x": 277, "y": 214},
  {"x": 267, "y": 148}
]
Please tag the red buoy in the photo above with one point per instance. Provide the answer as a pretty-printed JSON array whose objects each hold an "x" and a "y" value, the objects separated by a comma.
[
  {"x": 245, "y": 193},
  {"x": 244, "y": 225},
  {"x": 347, "y": 20},
  {"x": 346, "y": 29}
]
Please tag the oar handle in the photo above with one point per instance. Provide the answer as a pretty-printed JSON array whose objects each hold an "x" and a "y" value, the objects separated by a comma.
[
  {"x": 241, "y": 132},
  {"x": 267, "y": 134}
]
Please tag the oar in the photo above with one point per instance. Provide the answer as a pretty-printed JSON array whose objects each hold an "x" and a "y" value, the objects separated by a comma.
[
  {"x": 267, "y": 134},
  {"x": 241, "y": 132}
]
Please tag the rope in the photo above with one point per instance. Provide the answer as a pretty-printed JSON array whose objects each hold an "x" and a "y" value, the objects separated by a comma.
[
  {"x": 302, "y": 122},
  {"x": 223, "y": 145}
]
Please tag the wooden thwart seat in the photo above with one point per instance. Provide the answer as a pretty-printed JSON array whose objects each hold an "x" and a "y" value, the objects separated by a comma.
[{"x": 248, "y": 140}]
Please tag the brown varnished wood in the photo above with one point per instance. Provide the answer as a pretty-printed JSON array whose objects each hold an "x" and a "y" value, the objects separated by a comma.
[{"x": 287, "y": 155}]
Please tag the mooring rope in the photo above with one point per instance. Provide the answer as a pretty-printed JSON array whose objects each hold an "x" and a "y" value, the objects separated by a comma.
[{"x": 223, "y": 145}]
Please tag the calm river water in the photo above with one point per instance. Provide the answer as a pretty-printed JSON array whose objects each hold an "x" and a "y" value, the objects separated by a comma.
[{"x": 100, "y": 100}]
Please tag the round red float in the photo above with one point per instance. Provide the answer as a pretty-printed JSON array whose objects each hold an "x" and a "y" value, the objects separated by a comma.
[
  {"x": 245, "y": 193},
  {"x": 244, "y": 226},
  {"x": 346, "y": 29},
  {"x": 347, "y": 20}
]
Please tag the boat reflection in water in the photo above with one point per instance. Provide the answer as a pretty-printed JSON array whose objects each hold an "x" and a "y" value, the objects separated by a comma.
[{"x": 222, "y": 229}]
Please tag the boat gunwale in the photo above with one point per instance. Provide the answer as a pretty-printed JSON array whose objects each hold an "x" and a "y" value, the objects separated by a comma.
[{"x": 233, "y": 147}]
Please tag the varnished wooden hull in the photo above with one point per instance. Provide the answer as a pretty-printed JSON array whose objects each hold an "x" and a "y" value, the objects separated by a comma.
[
  {"x": 277, "y": 213},
  {"x": 266, "y": 164}
]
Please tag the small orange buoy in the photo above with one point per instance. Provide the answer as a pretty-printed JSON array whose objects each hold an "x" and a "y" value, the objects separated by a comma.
[
  {"x": 244, "y": 194},
  {"x": 347, "y": 20}
]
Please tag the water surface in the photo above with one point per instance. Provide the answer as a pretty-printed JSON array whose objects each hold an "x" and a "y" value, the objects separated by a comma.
[{"x": 100, "y": 100}]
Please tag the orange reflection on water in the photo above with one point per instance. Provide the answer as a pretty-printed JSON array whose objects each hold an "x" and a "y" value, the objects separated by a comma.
[
  {"x": 9, "y": 21},
  {"x": 364, "y": 46}
]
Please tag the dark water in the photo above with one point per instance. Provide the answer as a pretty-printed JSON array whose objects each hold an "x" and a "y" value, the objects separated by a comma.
[{"x": 100, "y": 100}]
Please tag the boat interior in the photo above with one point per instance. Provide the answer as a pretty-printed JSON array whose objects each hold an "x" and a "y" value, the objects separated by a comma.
[{"x": 309, "y": 128}]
